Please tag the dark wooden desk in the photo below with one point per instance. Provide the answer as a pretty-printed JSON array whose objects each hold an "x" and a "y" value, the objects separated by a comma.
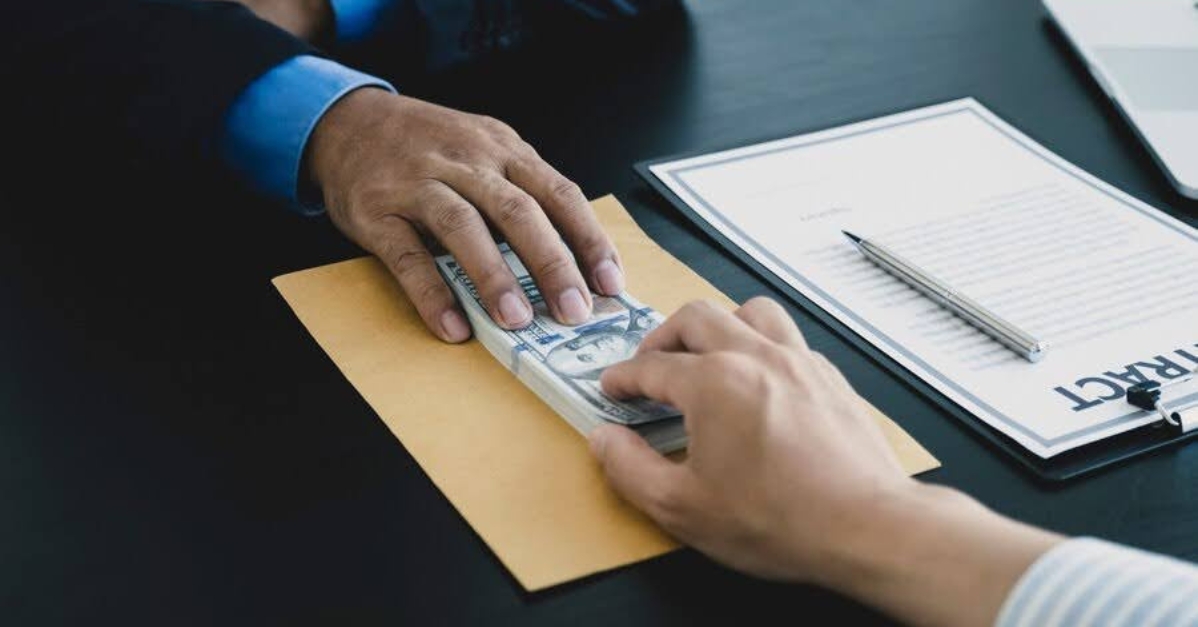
[{"x": 174, "y": 449}]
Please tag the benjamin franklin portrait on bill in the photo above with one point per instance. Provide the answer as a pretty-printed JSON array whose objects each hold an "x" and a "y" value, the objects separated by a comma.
[{"x": 602, "y": 344}]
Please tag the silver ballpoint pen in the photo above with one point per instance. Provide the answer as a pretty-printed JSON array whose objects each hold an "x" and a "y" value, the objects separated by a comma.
[{"x": 1008, "y": 334}]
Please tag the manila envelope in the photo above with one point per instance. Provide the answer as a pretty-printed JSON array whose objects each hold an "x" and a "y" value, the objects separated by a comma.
[{"x": 542, "y": 505}]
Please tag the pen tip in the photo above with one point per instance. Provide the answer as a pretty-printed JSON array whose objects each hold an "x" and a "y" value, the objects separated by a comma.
[{"x": 852, "y": 238}]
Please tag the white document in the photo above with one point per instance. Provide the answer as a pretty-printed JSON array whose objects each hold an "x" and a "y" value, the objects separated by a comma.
[{"x": 1109, "y": 282}]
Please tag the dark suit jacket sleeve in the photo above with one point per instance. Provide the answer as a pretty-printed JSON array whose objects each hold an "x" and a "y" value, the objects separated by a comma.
[{"x": 148, "y": 80}]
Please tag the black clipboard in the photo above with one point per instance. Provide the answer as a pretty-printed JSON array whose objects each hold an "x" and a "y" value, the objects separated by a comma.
[{"x": 1062, "y": 467}]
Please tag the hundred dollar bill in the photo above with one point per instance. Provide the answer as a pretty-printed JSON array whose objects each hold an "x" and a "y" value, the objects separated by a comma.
[{"x": 562, "y": 364}]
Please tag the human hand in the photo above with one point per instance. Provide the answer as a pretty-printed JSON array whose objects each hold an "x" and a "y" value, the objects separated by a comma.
[
  {"x": 784, "y": 461},
  {"x": 392, "y": 168},
  {"x": 787, "y": 475}
]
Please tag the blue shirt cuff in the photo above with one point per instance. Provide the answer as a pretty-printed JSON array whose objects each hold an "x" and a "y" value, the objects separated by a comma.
[
  {"x": 357, "y": 20},
  {"x": 270, "y": 122}
]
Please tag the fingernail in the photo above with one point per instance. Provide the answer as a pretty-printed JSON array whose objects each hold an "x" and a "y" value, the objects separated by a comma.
[
  {"x": 609, "y": 277},
  {"x": 573, "y": 306},
  {"x": 454, "y": 326},
  {"x": 514, "y": 310}
]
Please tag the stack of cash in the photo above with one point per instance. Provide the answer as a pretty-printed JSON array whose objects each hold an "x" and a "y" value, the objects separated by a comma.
[{"x": 562, "y": 364}]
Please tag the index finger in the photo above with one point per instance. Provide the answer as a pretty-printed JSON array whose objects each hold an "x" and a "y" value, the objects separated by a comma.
[
  {"x": 460, "y": 228},
  {"x": 532, "y": 237},
  {"x": 700, "y": 327},
  {"x": 770, "y": 319},
  {"x": 569, "y": 210},
  {"x": 655, "y": 375}
]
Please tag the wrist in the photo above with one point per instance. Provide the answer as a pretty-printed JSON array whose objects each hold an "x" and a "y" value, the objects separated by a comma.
[
  {"x": 923, "y": 547},
  {"x": 330, "y": 148},
  {"x": 860, "y": 550}
]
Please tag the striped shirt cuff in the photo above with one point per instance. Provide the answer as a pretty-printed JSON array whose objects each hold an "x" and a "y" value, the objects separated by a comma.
[{"x": 1086, "y": 581}]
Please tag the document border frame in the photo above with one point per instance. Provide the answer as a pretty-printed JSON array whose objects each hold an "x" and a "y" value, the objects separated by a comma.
[{"x": 1063, "y": 466}]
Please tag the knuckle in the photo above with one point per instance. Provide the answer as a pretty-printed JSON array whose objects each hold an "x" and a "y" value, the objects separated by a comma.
[
  {"x": 517, "y": 210},
  {"x": 565, "y": 191},
  {"x": 455, "y": 153},
  {"x": 762, "y": 304},
  {"x": 820, "y": 359},
  {"x": 359, "y": 221},
  {"x": 828, "y": 368},
  {"x": 803, "y": 378},
  {"x": 697, "y": 310},
  {"x": 686, "y": 315},
  {"x": 412, "y": 267},
  {"x": 723, "y": 365},
  {"x": 556, "y": 264},
  {"x": 480, "y": 169},
  {"x": 665, "y": 501},
  {"x": 429, "y": 291},
  {"x": 492, "y": 278},
  {"x": 595, "y": 245},
  {"x": 782, "y": 360},
  {"x": 428, "y": 194},
  {"x": 495, "y": 126},
  {"x": 405, "y": 260},
  {"x": 372, "y": 202},
  {"x": 739, "y": 371},
  {"x": 453, "y": 218},
  {"x": 525, "y": 150}
]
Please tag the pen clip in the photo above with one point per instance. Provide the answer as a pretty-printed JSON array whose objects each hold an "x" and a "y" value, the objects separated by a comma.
[{"x": 1176, "y": 401}]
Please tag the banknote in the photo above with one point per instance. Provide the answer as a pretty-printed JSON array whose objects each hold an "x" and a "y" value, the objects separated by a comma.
[
  {"x": 570, "y": 359},
  {"x": 562, "y": 364}
]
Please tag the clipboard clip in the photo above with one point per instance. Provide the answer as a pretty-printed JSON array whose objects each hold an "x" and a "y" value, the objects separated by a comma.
[{"x": 1176, "y": 401}]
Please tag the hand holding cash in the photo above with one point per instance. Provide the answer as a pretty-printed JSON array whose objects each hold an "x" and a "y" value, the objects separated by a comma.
[{"x": 562, "y": 364}]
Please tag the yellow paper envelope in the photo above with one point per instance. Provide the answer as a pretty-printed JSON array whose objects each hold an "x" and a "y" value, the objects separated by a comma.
[{"x": 519, "y": 474}]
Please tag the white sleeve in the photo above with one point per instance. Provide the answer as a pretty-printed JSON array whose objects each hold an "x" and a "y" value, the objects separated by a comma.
[{"x": 1086, "y": 581}]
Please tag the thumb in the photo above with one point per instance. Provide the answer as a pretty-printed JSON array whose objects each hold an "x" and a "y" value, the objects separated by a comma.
[{"x": 639, "y": 474}]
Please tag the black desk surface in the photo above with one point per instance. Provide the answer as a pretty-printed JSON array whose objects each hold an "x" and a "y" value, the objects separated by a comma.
[{"x": 175, "y": 449}]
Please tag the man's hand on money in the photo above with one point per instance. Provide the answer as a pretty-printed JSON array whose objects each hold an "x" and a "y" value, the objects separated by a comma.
[
  {"x": 783, "y": 456},
  {"x": 392, "y": 169}
]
